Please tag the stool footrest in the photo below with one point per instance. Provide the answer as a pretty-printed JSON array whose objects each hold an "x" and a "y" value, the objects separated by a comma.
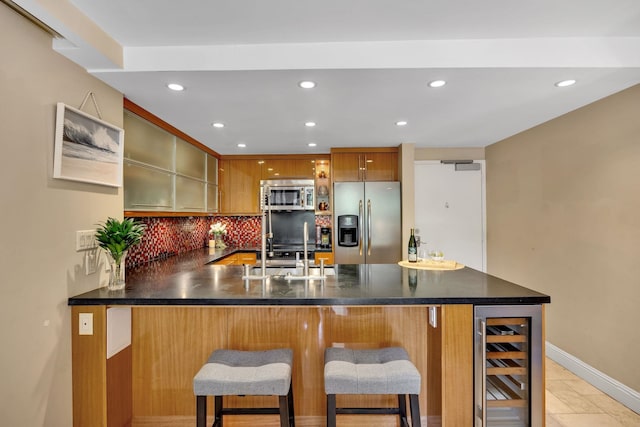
[
  {"x": 250, "y": 411},
  {"x": 370, "y": 411}
]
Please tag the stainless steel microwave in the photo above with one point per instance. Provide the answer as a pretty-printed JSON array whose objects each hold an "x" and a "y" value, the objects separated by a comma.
[{"x": 287, "y": 194}]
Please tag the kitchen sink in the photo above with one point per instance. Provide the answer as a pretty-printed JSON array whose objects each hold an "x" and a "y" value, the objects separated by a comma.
[{"x": 291, "y": 272}]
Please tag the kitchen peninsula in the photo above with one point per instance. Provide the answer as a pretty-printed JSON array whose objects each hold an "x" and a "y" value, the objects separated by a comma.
[{"x": 149, "y": 340}]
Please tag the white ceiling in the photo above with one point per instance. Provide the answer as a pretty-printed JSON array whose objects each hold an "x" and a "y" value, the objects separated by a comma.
[{"x": 241, "y": 60}]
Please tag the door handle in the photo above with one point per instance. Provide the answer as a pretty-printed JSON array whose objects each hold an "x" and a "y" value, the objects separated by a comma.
[
  {"x": 483, "y": 328},
  {"x": 360, "y": 225}
]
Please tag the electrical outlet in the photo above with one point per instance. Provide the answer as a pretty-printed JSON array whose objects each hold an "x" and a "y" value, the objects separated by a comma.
[
  {"x": 85, "y": 240},
  {"x": 86, "y": 324},
  {"x": 433, "y": 317}
]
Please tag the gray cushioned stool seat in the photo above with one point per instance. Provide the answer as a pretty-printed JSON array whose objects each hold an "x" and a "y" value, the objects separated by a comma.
[
  {"x": 380, "y": 371},
  {"x": 257, "y": 373},
  {"x": 234, "y": 372}
]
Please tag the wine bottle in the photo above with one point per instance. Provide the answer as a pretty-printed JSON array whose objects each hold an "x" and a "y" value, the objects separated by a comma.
[{"x": 413, "y": 248}]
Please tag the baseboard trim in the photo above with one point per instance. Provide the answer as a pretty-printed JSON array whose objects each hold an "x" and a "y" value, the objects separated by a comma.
[{"x": 614, "y": 388}]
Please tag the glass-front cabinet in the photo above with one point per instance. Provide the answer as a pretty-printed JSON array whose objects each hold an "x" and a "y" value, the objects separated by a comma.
[
  {"x": 163, "y": 172},
  {"x": 147, "y": 188},
  {"x": 508, "y": 366}
]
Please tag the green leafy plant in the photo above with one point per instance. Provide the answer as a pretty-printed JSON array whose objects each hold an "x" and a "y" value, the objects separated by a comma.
[{"x": 116, "y": 237}]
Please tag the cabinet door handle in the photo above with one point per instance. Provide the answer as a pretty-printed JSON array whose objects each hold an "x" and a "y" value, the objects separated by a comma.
[{"x": 364, "y": 167}]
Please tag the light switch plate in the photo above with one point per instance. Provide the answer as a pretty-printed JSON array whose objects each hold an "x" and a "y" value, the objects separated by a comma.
[
  {"x": 85, "y": 240},
  {"x": 86, "y": 324}
]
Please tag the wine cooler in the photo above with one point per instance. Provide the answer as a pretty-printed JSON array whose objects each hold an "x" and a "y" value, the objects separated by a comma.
[{"x": 509, "y": 387}]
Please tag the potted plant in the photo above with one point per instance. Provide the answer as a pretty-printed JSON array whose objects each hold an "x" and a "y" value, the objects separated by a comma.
[{"x": 116, "y": 237}]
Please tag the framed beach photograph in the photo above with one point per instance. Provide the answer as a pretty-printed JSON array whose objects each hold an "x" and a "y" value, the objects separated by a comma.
[{"x": 86, "y": 148}]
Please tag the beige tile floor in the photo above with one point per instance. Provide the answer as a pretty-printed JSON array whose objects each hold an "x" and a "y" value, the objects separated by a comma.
[{"x": 573, "y": 402}]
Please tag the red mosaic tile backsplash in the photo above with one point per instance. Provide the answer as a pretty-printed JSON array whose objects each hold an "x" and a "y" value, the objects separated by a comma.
[{"x": 168, "y": 236}]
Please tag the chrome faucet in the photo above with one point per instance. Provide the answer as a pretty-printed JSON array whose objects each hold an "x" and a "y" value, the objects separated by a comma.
[
  {"x": 267, "y": 192},
  {"x": 246, "y": 275},
  {"x": 305, "y": 259}
]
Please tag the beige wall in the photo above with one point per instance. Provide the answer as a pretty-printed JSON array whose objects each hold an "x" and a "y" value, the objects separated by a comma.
[
  {"x": 39, "y": 217},
  {"x": 563, "y": 217}
]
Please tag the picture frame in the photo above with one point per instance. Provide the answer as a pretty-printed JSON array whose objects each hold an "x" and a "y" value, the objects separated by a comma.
[{"x": 87, "y": 149}]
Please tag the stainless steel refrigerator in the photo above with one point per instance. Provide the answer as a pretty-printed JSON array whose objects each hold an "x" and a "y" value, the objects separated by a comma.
[{"x": 367, "y": 222}]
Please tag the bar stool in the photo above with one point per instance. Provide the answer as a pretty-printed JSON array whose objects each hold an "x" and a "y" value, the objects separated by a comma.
[
  {"x": 380, "y": 371},
  {"x": 239, "y": 373}
]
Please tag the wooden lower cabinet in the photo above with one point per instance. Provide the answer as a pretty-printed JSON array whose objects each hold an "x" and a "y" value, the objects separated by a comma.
[
  {"x": 246, "y": 258},
  {"x": 228, "y": 260},
  {"x": 238, "y": 259},
  {"x": 169, "y": 344},
  {"x": 327, "y": 256}
]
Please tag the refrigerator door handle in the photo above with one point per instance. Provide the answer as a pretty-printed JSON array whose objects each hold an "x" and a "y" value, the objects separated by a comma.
[
  {"x": 360, "y": 227},
  {"x": 369, "y": 227},
  {"x": 483, "y": 329}
]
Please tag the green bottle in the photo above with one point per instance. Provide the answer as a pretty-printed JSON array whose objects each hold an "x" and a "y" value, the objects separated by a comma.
[{"x": 413, "y": 248}]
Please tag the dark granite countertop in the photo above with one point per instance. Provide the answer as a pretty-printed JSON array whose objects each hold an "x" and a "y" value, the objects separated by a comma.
[{"x": 189, "y": 279}]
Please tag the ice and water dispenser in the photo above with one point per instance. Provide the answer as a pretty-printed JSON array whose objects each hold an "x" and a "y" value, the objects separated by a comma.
[{"x": 348, "y": 230}]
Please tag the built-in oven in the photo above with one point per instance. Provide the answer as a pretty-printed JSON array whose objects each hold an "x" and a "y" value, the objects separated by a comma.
[{"x": 287, "y": 194}]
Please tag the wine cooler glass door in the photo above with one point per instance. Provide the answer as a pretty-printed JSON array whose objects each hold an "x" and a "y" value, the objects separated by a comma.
[{"x": 508, "y": 366}]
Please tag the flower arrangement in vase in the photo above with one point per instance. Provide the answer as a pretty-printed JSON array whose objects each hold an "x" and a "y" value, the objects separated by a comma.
[
  {"x": 116, "y": 237},
  {"x": 217, "y": 230}
]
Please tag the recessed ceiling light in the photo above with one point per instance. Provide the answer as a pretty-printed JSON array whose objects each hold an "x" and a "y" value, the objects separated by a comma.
[
  {"x": 312, "y": 144},
  {"x": 217, "y": 125},
  {"x": 242, "y": 145},
  {"x": 401, "y": 123},
  {"x": 175, "y": 86},
  {"x": 437, "y": 83},
  {"x": 307, "y": 84},
  {"x": 565, "y": 83},
  {"x": 310, "y": 124}
]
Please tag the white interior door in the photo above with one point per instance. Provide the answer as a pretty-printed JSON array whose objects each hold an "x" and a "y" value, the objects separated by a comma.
[{"x": 450, "y": 213}]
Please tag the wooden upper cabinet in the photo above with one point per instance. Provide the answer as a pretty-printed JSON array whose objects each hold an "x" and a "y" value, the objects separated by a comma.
[
  {"x": 346, "y": 166},
  {"x": 239, "y": 186},
  {"x": 375, "y": 164},
  {"x": 287, "y": 168},
  {"x": 239, "y": 178},
  {"x": 381, "y": 166},
  {"x": 305, "y": 168}
]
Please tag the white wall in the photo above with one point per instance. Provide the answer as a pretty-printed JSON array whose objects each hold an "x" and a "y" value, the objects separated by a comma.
[{"x": 39, "y": 268}]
